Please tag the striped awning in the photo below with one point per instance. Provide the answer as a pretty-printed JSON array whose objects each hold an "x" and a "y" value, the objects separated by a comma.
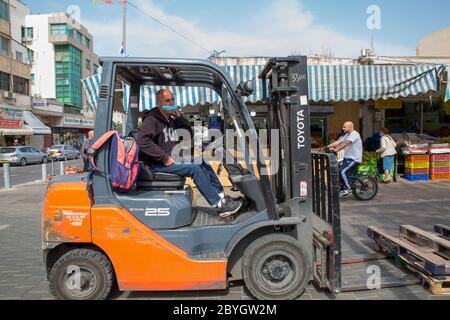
[
  {"x": 184, "y": 96},
  {"x": 326, "y": 83},
  {"x": 373, "y": 82},
  {"x": 447, "y": 91}
]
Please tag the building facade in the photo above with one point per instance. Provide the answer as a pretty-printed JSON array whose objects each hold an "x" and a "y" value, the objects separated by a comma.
[
  {"x": 436, "y": 44},
  {"x": 15, "y": 74},
  {"x": 63, "y": 55}
]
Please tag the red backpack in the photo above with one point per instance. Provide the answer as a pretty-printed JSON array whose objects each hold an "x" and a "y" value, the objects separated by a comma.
[{"x": 123, "y": 162}]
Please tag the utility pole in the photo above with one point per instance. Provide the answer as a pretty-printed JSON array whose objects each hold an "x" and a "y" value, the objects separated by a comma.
[{"x": 124, "y": 28}]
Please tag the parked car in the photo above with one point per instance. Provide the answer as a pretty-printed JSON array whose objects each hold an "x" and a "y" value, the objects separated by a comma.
[
  {"x": 63, "y": 151},
  {"x": 22, "y": 155}
]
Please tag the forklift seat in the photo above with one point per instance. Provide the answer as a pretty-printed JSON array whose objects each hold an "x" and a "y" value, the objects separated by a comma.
[{"x": 155, "y": 180}]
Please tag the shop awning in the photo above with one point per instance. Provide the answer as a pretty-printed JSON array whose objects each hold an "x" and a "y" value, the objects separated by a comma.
[
  {"x": 374, "y": 82},
  {"x": 26, "y": 130},
  {"x": 326, "y": 83},
  {"x": 36, "y": 125}
]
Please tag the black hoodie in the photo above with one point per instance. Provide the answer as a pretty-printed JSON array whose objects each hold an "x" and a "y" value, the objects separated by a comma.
[{"x": 157, "y": 136}]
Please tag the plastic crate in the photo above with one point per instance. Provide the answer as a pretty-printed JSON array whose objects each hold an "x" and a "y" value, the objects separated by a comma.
[
  {"x": 417, "y": 158},
  {"x": 440, "y": 176},
  {"x": 417, "y": 165},
  {"x": 440, "y": 164},
  {"x": 440, "y": 157},
  {"x": 417, "y": 171},
  {"x": 439, "y": 170},
  {"x": 417, "y": 177}
]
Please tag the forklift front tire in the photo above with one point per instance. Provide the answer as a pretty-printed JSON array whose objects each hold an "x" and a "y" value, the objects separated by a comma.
[
  {"x": 81, "y": 274},
  {"x": 275, "y": 267}
]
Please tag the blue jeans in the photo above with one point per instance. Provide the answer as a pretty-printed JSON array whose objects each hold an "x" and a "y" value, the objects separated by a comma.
[
  {"x": 203, "y": 175},
  {"x": 346, "y": 166},
  {"x": 388, "y": 163}
]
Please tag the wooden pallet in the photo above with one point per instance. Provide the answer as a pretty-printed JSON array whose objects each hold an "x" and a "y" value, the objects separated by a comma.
[
  {"x": 437, "y": 285},
  {"x": 427, "y": 252},
  {"x": 443, "y": 231}
]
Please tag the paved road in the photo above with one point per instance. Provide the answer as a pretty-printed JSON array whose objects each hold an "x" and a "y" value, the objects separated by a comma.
[
  {"x": 420, "y": 204},
  {"x": 33, "y": 172}
]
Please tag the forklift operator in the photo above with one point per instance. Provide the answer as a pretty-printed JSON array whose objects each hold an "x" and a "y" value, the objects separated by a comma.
[
  {"x": 351, "y": 143},
  {"x": 156, "y": 140}
]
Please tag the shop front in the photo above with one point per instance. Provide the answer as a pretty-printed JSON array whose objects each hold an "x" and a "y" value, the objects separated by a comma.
[
  {"x": 72, "y": 130},
  {"x": 13, "y": 131}
]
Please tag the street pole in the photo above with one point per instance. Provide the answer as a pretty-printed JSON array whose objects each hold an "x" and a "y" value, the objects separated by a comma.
[
  {"x": 6, "y": 176},
  {"x": 44, "y": 171},
  {"x": 124, "y": 29}
]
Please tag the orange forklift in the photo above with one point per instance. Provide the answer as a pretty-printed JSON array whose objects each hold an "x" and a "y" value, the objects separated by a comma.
[{"x": 155, "y": 237}]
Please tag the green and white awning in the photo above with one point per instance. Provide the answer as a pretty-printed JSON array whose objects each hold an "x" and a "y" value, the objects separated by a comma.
[
  {"x": 327, "y": 83},
  {"x": 374, "y": 82}
]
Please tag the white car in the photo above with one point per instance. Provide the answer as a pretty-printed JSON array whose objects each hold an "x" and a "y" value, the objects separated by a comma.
[{"x": 63, "y": 151}]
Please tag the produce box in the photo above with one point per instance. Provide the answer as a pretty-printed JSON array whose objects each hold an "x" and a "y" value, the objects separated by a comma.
[{"x": 417, "y": 177}]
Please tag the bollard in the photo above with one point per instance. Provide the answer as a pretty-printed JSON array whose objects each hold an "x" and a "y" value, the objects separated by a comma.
[
  {"x": 6, "y": 176},
  {"x": 44, "y": 171},
  {"x": 61, "y": 167}
]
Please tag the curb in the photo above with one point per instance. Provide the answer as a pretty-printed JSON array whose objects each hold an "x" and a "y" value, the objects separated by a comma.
[{"x": 14, "y": 188}]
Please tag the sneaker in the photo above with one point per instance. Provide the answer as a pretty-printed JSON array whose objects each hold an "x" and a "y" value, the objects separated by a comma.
[
  {"x": 229, "y": 207},
  {"x": 345, "y": 193}
]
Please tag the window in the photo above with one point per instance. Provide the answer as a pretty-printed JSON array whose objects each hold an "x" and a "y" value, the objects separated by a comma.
[
  {"x": 88, "y": 64},
  {"x": 4, "y": 81},
  {"x": 95, "y": 69},
  {"x": 30, "y": 56},
  {"x": 24, "y": 150},
  {"x": 58, "y": 29},
  {"x": 30, "y": 32},
  {"x": 20, "y": 85},
  {"x": 87, "y": 43},
  {"x": 19, "y": 56},
  {"x": 79, "y": 36},
  {"x": 4, "y": 46},
  {"x": 4, "y": 10}
]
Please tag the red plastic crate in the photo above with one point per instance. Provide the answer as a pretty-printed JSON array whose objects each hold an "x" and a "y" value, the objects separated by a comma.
[
  {"x": 417, "y": 158},
  {"x": 439, "y": 170},
  {"x": 440, "y": 157},
  {"x": 440, "y": 176}
]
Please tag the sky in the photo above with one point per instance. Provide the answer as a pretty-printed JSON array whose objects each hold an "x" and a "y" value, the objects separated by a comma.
[{"x": 257, "y": 27}]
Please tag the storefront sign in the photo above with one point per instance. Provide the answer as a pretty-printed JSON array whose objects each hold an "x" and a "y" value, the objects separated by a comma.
[
  {"x": 70, "y": 121},
  {"x": 11, "y": 118},
  {"x": 388, "y": 104}
]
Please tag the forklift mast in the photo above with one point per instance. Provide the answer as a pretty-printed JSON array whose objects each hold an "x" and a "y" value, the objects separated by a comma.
[
  {"x": 309, "y": 176},
  {"x": 287, "y": 88}
]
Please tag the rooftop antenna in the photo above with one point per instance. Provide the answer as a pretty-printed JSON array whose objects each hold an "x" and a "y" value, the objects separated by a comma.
[{"x": 216, "y": 53}]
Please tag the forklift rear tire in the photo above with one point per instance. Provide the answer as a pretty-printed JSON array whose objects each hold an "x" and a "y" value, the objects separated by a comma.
[
  {"x": 81, "y": 274},
  {"x": 275, "y": 267}
]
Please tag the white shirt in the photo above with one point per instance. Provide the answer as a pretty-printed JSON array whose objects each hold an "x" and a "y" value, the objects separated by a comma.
[{"x": 355, "y": 150}]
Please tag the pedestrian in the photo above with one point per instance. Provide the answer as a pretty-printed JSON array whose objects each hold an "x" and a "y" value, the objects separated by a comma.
[
  {"x": 387, "y": 153},
  {"x": 87, "y": 144}
]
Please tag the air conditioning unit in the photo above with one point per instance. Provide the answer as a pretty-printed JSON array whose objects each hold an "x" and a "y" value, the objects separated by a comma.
[{"x": 9, "y": 95}]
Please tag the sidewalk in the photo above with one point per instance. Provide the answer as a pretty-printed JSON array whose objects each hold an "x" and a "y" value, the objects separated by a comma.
[{"x": 422, "y": 204}]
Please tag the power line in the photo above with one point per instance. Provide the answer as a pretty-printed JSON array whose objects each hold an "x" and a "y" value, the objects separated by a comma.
[{"x": 168, "y": 27}]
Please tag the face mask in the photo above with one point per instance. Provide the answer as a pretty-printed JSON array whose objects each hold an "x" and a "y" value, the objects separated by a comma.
[{"x": 173, "y": 107}]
